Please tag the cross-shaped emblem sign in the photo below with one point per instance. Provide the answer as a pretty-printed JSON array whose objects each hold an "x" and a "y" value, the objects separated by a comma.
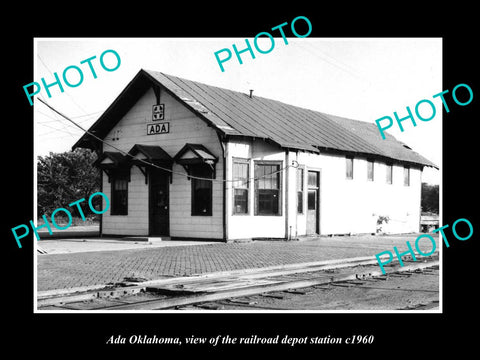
[{"x": 158, "y": 112}]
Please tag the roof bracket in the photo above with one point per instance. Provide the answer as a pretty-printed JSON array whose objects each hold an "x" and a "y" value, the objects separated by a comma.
[
  {"x": 113, "y": 172},
  {"x": 213, "y": 167},
  {"x": 187, "y": 170},
  {"x": 195, "y": 154},
  {"x": 144, "y": 172},
  {"x": 107, "y": 172}
]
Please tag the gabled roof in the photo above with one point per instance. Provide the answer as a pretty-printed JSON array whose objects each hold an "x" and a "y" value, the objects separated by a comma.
[
  {"x": 390, "y": 147},
  {"x": 110, "y": 159},
  {"x": 152, "y": 153},
  {"x": 192, "y": 153},
  {"x": 233, "y": 113}
]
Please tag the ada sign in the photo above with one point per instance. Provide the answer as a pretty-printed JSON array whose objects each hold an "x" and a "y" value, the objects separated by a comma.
[{"x": 162, "y": 128}]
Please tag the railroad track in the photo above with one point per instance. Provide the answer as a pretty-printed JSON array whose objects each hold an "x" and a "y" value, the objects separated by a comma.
[{"x": 234, "y": 288}]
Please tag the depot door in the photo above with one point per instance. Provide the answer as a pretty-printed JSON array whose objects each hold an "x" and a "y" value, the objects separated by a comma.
[
  {"x": 159, "y": 203},
  {"x": 313, "y": 203}
]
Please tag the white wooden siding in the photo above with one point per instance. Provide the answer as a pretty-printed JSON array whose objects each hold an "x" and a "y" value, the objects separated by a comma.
[
  {"x": 136, "y": 222},
  {"x": 185, "y": 127}
]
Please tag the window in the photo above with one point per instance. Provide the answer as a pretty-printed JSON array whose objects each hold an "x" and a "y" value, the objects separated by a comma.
[
  {"x": 202, "y": 190},
  {"x": 389, "y": 173},
  {"x": 119, "y": 196},
  {"x": 313, "y": 187},
  {"x": 240, "y": 186},
  {"x": 370, "y": 170},
  {"x": 406, "y": 176},
  {"x": 349, "y": 167},
  {"x": 312, "y": 179},
  {"x": 267, "y": 188},
  {"x": 311, "y": 201},
  {"x": 299, "y": 191}
]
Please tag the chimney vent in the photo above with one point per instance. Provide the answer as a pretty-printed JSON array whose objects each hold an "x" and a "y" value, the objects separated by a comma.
[{"x": 251, "y": 93}]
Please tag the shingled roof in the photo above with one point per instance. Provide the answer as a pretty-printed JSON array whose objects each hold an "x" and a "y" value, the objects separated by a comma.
[{"x": 233, "y": 113}]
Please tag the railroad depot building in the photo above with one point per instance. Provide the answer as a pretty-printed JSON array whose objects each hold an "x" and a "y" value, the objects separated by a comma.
[{"x": 195, "y": 161}]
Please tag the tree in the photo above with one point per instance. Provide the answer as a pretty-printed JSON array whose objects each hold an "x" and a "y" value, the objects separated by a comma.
[
  {"x": 430, "y": 198},
  {"x": 63, "y": 178}
]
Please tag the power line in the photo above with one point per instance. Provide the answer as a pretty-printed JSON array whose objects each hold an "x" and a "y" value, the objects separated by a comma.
[
  {"x": 90, "y": 114},
  {"x": 71, "y": 98},
  {"x": 333, "y": 61},
  {"x": 155, "y": 165},
  {"x": 57, "y": 120},
  {"x": 63, "y": 129},
  {"x": 47, "y": 134},
  {"x": 54, "y": 130}
]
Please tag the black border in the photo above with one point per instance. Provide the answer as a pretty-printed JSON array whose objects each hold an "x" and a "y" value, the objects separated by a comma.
[{"x": 86, "y": 334}]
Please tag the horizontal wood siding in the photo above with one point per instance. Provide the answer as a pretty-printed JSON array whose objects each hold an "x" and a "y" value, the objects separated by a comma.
[
  {"x": 136, "y": 222},
  {"x": 185, "y": 127}
]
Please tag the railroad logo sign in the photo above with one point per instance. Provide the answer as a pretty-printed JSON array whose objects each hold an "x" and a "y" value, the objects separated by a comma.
[
  {"x": 162, "y": 128},
  {"x": 158, "y": 112}
]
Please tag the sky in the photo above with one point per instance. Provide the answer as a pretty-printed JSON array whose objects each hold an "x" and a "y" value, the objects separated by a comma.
[{"x": 358, "y": 78}]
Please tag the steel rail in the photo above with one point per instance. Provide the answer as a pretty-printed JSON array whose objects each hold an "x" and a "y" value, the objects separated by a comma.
[{"x": 172, "y": 302}]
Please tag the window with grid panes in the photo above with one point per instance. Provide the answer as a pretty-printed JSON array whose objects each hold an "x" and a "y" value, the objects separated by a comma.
[
  {"x": 202, "y": 190},
  {"x": 240, "y": 186},
  {"x": 119, "y": 200},
  {"x": 300, "y": 174},
  {"x": 267, "y": 188}
]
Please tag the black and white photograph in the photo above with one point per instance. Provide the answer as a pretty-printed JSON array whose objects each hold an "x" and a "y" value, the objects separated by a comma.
[
  {"x": 174, "y": 182},
  {"x": 227, "y": 180}
]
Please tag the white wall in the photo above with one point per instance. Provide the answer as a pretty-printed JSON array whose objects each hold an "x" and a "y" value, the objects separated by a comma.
[
  {"x": 185, "y": 127},
  {"x": 399, "y": 202},
  {"x": 248, "y": 225},
  {"x": 354, "y": 205},
  {"x": 346, "y": 205}
]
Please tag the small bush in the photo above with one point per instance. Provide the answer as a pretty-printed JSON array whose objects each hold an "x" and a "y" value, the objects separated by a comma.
[{"x": 380, "y": 221}]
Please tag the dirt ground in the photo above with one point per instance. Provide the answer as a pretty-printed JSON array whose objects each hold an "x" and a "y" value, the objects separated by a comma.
[{"x": 393, "y": 292}]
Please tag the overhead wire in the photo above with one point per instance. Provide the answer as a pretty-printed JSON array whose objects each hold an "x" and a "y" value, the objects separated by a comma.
[
  {"x": 334, "y": 62},
  {"x": 64, "y": 128},
  {"x": 156, "y": 165},
  {"x": 71, "y": 98},
  {"x": 58, "y": 120}
]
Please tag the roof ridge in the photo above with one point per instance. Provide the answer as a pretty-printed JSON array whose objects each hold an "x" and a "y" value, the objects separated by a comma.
[
  {"x": 235, "y": 113},
  {"x": 323, "y": 115},
  {"x": 271, "y": 118}
]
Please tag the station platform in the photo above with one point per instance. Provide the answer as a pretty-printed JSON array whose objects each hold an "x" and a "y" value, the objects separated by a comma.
[{"x": 83, "y": 263}]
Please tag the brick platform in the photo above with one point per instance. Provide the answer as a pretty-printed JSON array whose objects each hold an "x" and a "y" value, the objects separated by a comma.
[{"x": 62, "y": 271}]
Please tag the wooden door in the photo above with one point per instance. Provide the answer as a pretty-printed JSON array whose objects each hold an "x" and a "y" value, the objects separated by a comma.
[{"x": 159, "y": 203}]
